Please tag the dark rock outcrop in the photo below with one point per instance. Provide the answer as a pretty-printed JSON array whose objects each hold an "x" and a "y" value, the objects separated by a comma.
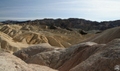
[
  {"x": 82, "y": 32},
  {"x": 70, "y": 23}
]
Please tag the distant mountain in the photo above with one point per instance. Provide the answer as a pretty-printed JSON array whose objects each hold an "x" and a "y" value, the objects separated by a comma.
[{"x": 70, "y": 23}]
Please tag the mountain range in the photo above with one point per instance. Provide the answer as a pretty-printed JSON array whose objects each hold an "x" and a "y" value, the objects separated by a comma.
[{"x": 70, "y": 23}]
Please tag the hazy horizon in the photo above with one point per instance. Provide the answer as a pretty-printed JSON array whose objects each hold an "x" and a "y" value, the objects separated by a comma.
[
  {"x": 95, "y": 10},
  {"x": 21, "y": 20}
]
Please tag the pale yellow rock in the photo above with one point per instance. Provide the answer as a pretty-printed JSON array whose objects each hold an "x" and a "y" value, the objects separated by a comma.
[{"x": 7, "y": 43}]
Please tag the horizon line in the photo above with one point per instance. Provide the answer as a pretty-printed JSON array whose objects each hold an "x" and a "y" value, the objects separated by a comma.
[{"x": 32, "y": 19}]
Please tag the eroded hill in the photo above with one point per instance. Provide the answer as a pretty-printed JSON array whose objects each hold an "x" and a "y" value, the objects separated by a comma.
[
  {"x": 88, "y": 56},
  {"x": 43, "y": 48},
  {"x": 17, "y": 36}
]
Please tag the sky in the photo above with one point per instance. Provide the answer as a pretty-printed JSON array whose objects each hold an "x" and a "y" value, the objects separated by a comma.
[{"x": 95, "y": 10}]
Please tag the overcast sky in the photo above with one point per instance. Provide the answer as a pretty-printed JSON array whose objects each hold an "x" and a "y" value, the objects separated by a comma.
[{"x": 96, "y": 10}]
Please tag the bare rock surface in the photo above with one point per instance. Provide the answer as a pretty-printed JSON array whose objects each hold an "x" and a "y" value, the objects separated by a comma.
[
  {"x": 104, "y": 60},
  {"x": 11, "y": 30},
  {"x": 80, "y": 54},
  {"x": 32, "y": 50},
  {"x": 88, "y": 56},
  {"x": 101, "y": 53},
  {"x": 8, "y": 44},
  {"x": 9, "y": 62},
  {"x": 31, "y": 38},
  {"x": 33, "y": 34},
  {"x": 107, "y": 36},
  {"x": 52, "y": 57}
]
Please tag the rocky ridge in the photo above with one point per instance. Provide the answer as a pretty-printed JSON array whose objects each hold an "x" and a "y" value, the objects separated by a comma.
[
  {"x": 70, "y": 23},
  {"x": 14, "y": 36},
  {"x": 107, "y": 36},
  {"x": 82, "y": 57}
]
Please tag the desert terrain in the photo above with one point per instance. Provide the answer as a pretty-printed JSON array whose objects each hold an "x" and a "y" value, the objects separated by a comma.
[{"x": 59, "y": 45}]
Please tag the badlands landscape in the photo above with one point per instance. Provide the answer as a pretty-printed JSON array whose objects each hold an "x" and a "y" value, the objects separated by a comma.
[{"x": 59, "y": 45}]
